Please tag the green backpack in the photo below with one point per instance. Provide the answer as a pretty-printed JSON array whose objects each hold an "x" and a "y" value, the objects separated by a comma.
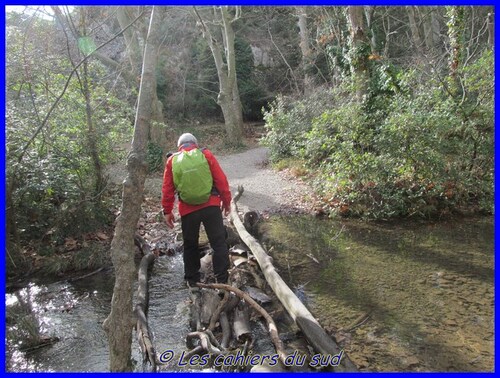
[{"x": 192, "y": 177}]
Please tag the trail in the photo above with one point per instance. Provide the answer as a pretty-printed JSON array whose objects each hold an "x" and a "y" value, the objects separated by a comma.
[{"x": 266, "y": 190}]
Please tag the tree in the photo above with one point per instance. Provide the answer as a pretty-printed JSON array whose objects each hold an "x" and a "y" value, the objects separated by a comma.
[
  {"x": 431, "y": 28},
  {"x": 360, "y": 49},
  {"x": 415, "y": 33},
  {"x": 305, "y": 48},
  {"x": 456, "y": 34},
  {"x": 91, "y": 134},
  {"x": 229, "y": 97},
  {"x": 120, "y": 321},
  {"x": 134, "y": 50},
  {"x": 52, "y": 120},
  {"x": 491, "y": 30},
  {"x": 67, "y": 24},
  {"x": 133, "y": 37}
]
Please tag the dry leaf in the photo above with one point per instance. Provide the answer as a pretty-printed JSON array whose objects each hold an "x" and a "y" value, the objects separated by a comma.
[
  {"x": 70, "y": 244},
  {"x": 102, "y": 235}
]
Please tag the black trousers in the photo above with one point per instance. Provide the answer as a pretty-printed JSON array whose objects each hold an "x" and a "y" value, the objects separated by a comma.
[{"x": 211, "y": 217}]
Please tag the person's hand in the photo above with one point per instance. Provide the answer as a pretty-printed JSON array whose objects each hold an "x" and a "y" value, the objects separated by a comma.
[
  {"x": 170, "y": 219},
  {"x": 227, "y": 210}
]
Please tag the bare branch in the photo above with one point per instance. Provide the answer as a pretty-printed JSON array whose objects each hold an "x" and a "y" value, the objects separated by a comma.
[{"x": 63, "y": 92}]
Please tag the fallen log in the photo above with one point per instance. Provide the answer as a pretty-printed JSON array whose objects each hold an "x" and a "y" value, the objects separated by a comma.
[
  {"x": 195, "y": 310},
  {"x": 312, "y": 330},
  {"x": 241, "y": 323},
  {"x": 273, "y": 330},
  {"x": 207, "y": 341},
  {"x": 226, "y": 305},
  {"x": 216, "y": 314},
  {"x": 226, "y": 330},
  {"x": 141, "y": 308}
]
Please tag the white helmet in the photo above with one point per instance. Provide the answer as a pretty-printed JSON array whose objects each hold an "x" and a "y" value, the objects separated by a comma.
[{"x": 186, "y": 138}]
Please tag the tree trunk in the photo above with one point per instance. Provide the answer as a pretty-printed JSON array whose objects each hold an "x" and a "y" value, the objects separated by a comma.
[
  {"x": 144, "y": 336},
  {"x": 387, "y": 31},
  {"x": 158, "y": 128},
  {"x": 134, "y": 50},
  {"x": 92, "y": 135},
  {"x": 12, "y": 250},
  {"x": 228, "y": 98},
  {"x": 369, "y": 13},
  {"x": 491, "y": 30},
  {"x": 235, "y": 128},
  {"x": 415, "y": 33},
  {"x": 456, "y": 27},
  {"x": 436, "y": 35},
  {"x": 93, "y": 148},
  {"x": 425, "y": 16},
  {"x": 157, "y": 132},
  {"x": 305, "y": 49},
  {"x": 120, "y": 321},
  {"x": 428, "y": 17},
  {"x": 360, "y": 49}
]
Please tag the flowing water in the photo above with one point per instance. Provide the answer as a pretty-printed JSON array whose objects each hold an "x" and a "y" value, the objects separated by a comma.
[
  {"x": 75, "y": 312},
  {"x": 410, "y": 297}
]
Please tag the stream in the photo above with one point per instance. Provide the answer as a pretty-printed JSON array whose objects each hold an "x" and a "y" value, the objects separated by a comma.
[
  {"x": 424, "y": 294},
  {"x": 74, "y": 312},
  {"x": 409, "y": 296}
]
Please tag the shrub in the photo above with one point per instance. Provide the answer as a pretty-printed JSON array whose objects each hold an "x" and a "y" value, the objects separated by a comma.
[
  {"x": 411, "y": 148},
  {"x": 287, "y": 122},
  {"x": 154, "y": 158}
]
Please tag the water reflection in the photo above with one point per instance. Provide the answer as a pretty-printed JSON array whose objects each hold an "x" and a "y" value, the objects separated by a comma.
[
  {"x": 427, "y": 289},
  {"x": 75, "y": 312},
  {"x": 67, "y": 318}
]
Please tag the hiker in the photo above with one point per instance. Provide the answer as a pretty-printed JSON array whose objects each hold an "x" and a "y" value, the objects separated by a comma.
[{"x": 202, "y": 188}]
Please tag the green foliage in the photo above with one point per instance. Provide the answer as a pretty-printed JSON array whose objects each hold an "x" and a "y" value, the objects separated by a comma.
[
  {"x": 337, "y": 59},
  {"x": 53, "y": 177},
  {"x": 385, "y": 82},
  {"x": 288, "y": 122},
  {"x": 411, "y": 148},
  {"x": 58, "y": 167},
  {"x": 357, "y": 55},
  {"x": 154, "y": 158}
]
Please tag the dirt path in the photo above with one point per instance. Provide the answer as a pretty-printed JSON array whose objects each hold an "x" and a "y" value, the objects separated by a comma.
[{"x": 266, "y": 190}]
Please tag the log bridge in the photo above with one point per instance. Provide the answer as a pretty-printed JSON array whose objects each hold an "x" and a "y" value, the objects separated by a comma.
[{"x": 226, "y": 310}]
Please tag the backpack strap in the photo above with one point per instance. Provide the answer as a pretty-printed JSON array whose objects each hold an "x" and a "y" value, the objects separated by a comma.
[{"x": 214, "y": 189}]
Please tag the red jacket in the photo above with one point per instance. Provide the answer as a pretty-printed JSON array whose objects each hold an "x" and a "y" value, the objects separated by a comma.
[{"x": 220, "y": 183}]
